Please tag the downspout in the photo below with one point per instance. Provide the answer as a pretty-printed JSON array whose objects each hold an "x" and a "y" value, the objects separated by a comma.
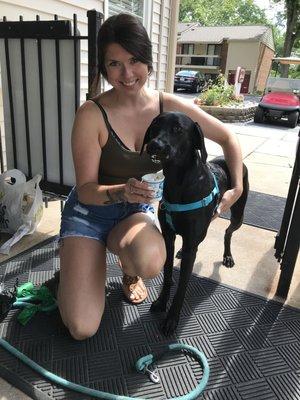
[{"x": 174, "y": 15}]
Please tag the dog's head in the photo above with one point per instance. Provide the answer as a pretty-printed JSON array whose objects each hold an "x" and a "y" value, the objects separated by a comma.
[{"x": 173, "y": 137}]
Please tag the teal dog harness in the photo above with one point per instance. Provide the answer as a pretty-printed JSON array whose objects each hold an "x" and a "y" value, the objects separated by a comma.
[{"x": 173, "y": 207}]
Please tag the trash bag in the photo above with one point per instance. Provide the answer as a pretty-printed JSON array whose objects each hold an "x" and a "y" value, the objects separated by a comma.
[{"x": 21, "y": 206}]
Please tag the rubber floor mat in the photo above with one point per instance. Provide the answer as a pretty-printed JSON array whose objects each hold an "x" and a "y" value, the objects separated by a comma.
[
  {"x": 252, "y": 345},
  {"x": 263, "y": 211}
]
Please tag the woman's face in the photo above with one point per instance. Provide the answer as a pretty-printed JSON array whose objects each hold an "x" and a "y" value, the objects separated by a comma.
[{"x": 124, "y": 71}]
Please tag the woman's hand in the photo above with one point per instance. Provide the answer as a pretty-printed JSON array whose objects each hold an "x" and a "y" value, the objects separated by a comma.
[
  {"x": 138, "y": 192},
  {"x": 228, "y": 199}
]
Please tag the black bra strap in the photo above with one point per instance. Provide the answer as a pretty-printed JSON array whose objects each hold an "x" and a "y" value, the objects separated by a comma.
[
  {"x": 161, "y": 102},
  {"x": 109, "y": 127},
  {"x": 103, "y": 113}
]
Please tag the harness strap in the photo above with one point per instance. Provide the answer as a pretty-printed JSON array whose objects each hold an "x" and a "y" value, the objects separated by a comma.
[
  {"x": 193, "y": 206},
  {"x": 173, "y": 207}
]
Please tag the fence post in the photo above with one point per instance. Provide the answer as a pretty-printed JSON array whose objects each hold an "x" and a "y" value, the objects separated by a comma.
[
  {"x": 94, "y": 23},
  {"x": 288, "y": 239}
]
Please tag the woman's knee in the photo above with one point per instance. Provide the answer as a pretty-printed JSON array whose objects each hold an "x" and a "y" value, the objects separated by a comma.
[
  {"x": 82, "y": 328},
  {"x": 151, "y": 261}
]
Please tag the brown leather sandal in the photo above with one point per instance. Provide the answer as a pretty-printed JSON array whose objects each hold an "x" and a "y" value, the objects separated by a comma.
[{"x": 130, "y": 284}]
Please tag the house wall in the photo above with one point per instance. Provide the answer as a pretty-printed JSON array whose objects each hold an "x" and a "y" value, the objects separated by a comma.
[
  {"x": 224, "y": 55},
  {"x": 200, "y": 48},
  {"x": 244, "y": 54},
  {"x": 264, "y": 66}
]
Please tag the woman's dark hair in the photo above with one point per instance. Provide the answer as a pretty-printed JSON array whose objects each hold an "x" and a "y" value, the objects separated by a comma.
[{"x": 127, "y": 31}]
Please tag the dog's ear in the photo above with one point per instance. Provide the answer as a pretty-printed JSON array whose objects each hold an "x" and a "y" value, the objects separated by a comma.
[{"x": 199, "y": 142}]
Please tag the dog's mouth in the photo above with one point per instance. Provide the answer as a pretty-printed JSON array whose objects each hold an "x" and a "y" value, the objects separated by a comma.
[
  {"x": 155, "y": 159},
  {"x": 158, "y": 152}
]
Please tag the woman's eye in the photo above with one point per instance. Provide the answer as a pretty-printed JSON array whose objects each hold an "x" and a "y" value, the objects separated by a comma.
[
  {"x": 134, "y": 60},
  {"x": 113, "y": 64}
]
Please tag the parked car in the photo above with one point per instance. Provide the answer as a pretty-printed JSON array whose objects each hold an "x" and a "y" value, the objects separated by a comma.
[
  {"x": 190, "y": 80},
  {"x": 281, "y": 98}
]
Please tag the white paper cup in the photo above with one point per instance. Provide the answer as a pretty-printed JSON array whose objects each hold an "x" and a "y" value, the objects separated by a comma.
[{"x": 156, "y": 182}]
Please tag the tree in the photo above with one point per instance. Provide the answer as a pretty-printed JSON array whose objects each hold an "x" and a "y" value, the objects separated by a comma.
[
  {"x": 226, "y": 12},
  {"x": 292, "y": 34}
]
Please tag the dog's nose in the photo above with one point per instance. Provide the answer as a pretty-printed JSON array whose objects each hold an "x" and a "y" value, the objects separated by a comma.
[{"x": 157, "y": 146}]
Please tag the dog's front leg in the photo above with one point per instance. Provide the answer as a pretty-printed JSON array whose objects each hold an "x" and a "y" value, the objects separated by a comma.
[
  {"x": 186, "y": 268},
  {"x": 161, "y": 303}
]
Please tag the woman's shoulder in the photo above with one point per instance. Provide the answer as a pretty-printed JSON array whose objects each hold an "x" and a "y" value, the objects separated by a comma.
[{"x": 172, "y": 102}]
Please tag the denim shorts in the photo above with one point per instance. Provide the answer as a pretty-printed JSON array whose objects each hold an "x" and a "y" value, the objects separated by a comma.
[{"x": 96, "y": 221}]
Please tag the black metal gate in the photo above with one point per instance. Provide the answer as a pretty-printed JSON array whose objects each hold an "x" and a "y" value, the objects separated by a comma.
[
  {"x": 288, "y": 238},
  {"x": 40, "y": 68}
]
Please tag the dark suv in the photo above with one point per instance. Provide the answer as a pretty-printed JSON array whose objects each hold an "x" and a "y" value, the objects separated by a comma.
[{"x": 190, "y": 80}]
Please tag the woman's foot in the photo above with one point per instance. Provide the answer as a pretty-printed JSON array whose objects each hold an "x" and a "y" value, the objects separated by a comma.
[{"x": 134, "y": 289}]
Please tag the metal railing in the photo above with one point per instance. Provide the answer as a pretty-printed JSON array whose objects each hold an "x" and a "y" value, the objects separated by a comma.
[
  {"x": 288, "y": 239},
  {"x": 40, "y": 68}
]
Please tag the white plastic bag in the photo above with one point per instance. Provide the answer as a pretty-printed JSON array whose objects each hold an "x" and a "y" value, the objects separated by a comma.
[{"x": 21, "y": 206}]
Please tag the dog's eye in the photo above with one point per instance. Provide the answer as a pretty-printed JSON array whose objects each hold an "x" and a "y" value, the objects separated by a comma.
[{"x": 177, "y": 129}]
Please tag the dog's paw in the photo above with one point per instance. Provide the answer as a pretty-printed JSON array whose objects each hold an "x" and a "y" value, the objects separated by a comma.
[
  {"x": 158, "y": 305},
  {"x": 228, "y": 261},
  {"x": 169, "y": 325}
]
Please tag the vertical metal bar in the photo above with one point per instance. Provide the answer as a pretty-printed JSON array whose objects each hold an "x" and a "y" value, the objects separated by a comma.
[
  {"x": 1, "y": 154},
  {"x": 76, "y": 72},
  {"x": 94, "y": 23},
  {"x": 291, "y": 252},
  {"x": 59, "y": 110},
  {"x": 26, "y": 107},
  {"x": 11, "y": 103},
  {"x": 42, "y": 105},
  {"x": 282, "y": 235}
]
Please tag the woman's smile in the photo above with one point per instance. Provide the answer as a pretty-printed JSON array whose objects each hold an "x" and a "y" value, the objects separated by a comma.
[{"x": 123, "y": 69}]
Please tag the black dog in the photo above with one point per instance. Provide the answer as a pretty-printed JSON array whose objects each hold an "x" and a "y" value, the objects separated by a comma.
[{"x": 191, "y": 193}]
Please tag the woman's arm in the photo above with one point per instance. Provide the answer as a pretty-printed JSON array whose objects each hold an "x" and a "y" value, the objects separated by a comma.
[
  {"x": 87, "y": 140},
  {"x": 217, "y": 131}
]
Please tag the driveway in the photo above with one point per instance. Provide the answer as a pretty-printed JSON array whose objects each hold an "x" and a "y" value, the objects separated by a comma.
[{"x": 268, "y": 151}]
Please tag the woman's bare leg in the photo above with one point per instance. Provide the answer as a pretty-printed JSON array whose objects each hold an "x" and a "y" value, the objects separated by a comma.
[
  {"x": 81, "y": 292},
  {"x": 140, "y": 246}
]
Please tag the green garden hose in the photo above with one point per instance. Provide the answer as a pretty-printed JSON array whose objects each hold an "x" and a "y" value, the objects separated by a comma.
[
  {"x": 33, "y": 300},
  {"x": 141, "y": 366}
]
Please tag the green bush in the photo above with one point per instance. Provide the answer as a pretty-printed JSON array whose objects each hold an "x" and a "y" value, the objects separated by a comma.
[{"x": 219, "y": 93}]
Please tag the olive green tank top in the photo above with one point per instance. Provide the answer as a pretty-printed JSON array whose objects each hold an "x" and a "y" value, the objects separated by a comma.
[{"x": 118, "y": 163}]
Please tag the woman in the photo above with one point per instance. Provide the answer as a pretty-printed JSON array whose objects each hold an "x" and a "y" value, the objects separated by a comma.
[{"x": 110, "y": 207}]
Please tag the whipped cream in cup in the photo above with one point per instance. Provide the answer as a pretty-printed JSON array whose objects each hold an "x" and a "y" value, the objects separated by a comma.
[{"x": 156, "y": 182}]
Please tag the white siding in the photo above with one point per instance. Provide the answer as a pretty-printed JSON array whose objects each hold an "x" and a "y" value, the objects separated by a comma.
[{"x": 160, "y": 42}]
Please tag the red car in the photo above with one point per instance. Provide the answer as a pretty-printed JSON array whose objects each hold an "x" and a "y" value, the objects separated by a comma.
[{"x": 277, "y": 105}]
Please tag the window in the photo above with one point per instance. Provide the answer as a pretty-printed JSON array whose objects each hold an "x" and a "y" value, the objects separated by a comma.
[
  {"x": 187, "y": 48},
  {"x": 213, "y": 49},
  {"x": 135, "y": 7}
]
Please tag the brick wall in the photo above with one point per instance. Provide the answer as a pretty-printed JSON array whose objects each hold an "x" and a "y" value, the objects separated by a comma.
[
  {"x": 263, "y": 67},
  {"x": 223, "y": 55},
  {"x": 231, "y": 114}
]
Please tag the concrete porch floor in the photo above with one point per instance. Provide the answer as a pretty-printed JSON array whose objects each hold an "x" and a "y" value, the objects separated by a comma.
[{"x": 269, "y": 152}]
